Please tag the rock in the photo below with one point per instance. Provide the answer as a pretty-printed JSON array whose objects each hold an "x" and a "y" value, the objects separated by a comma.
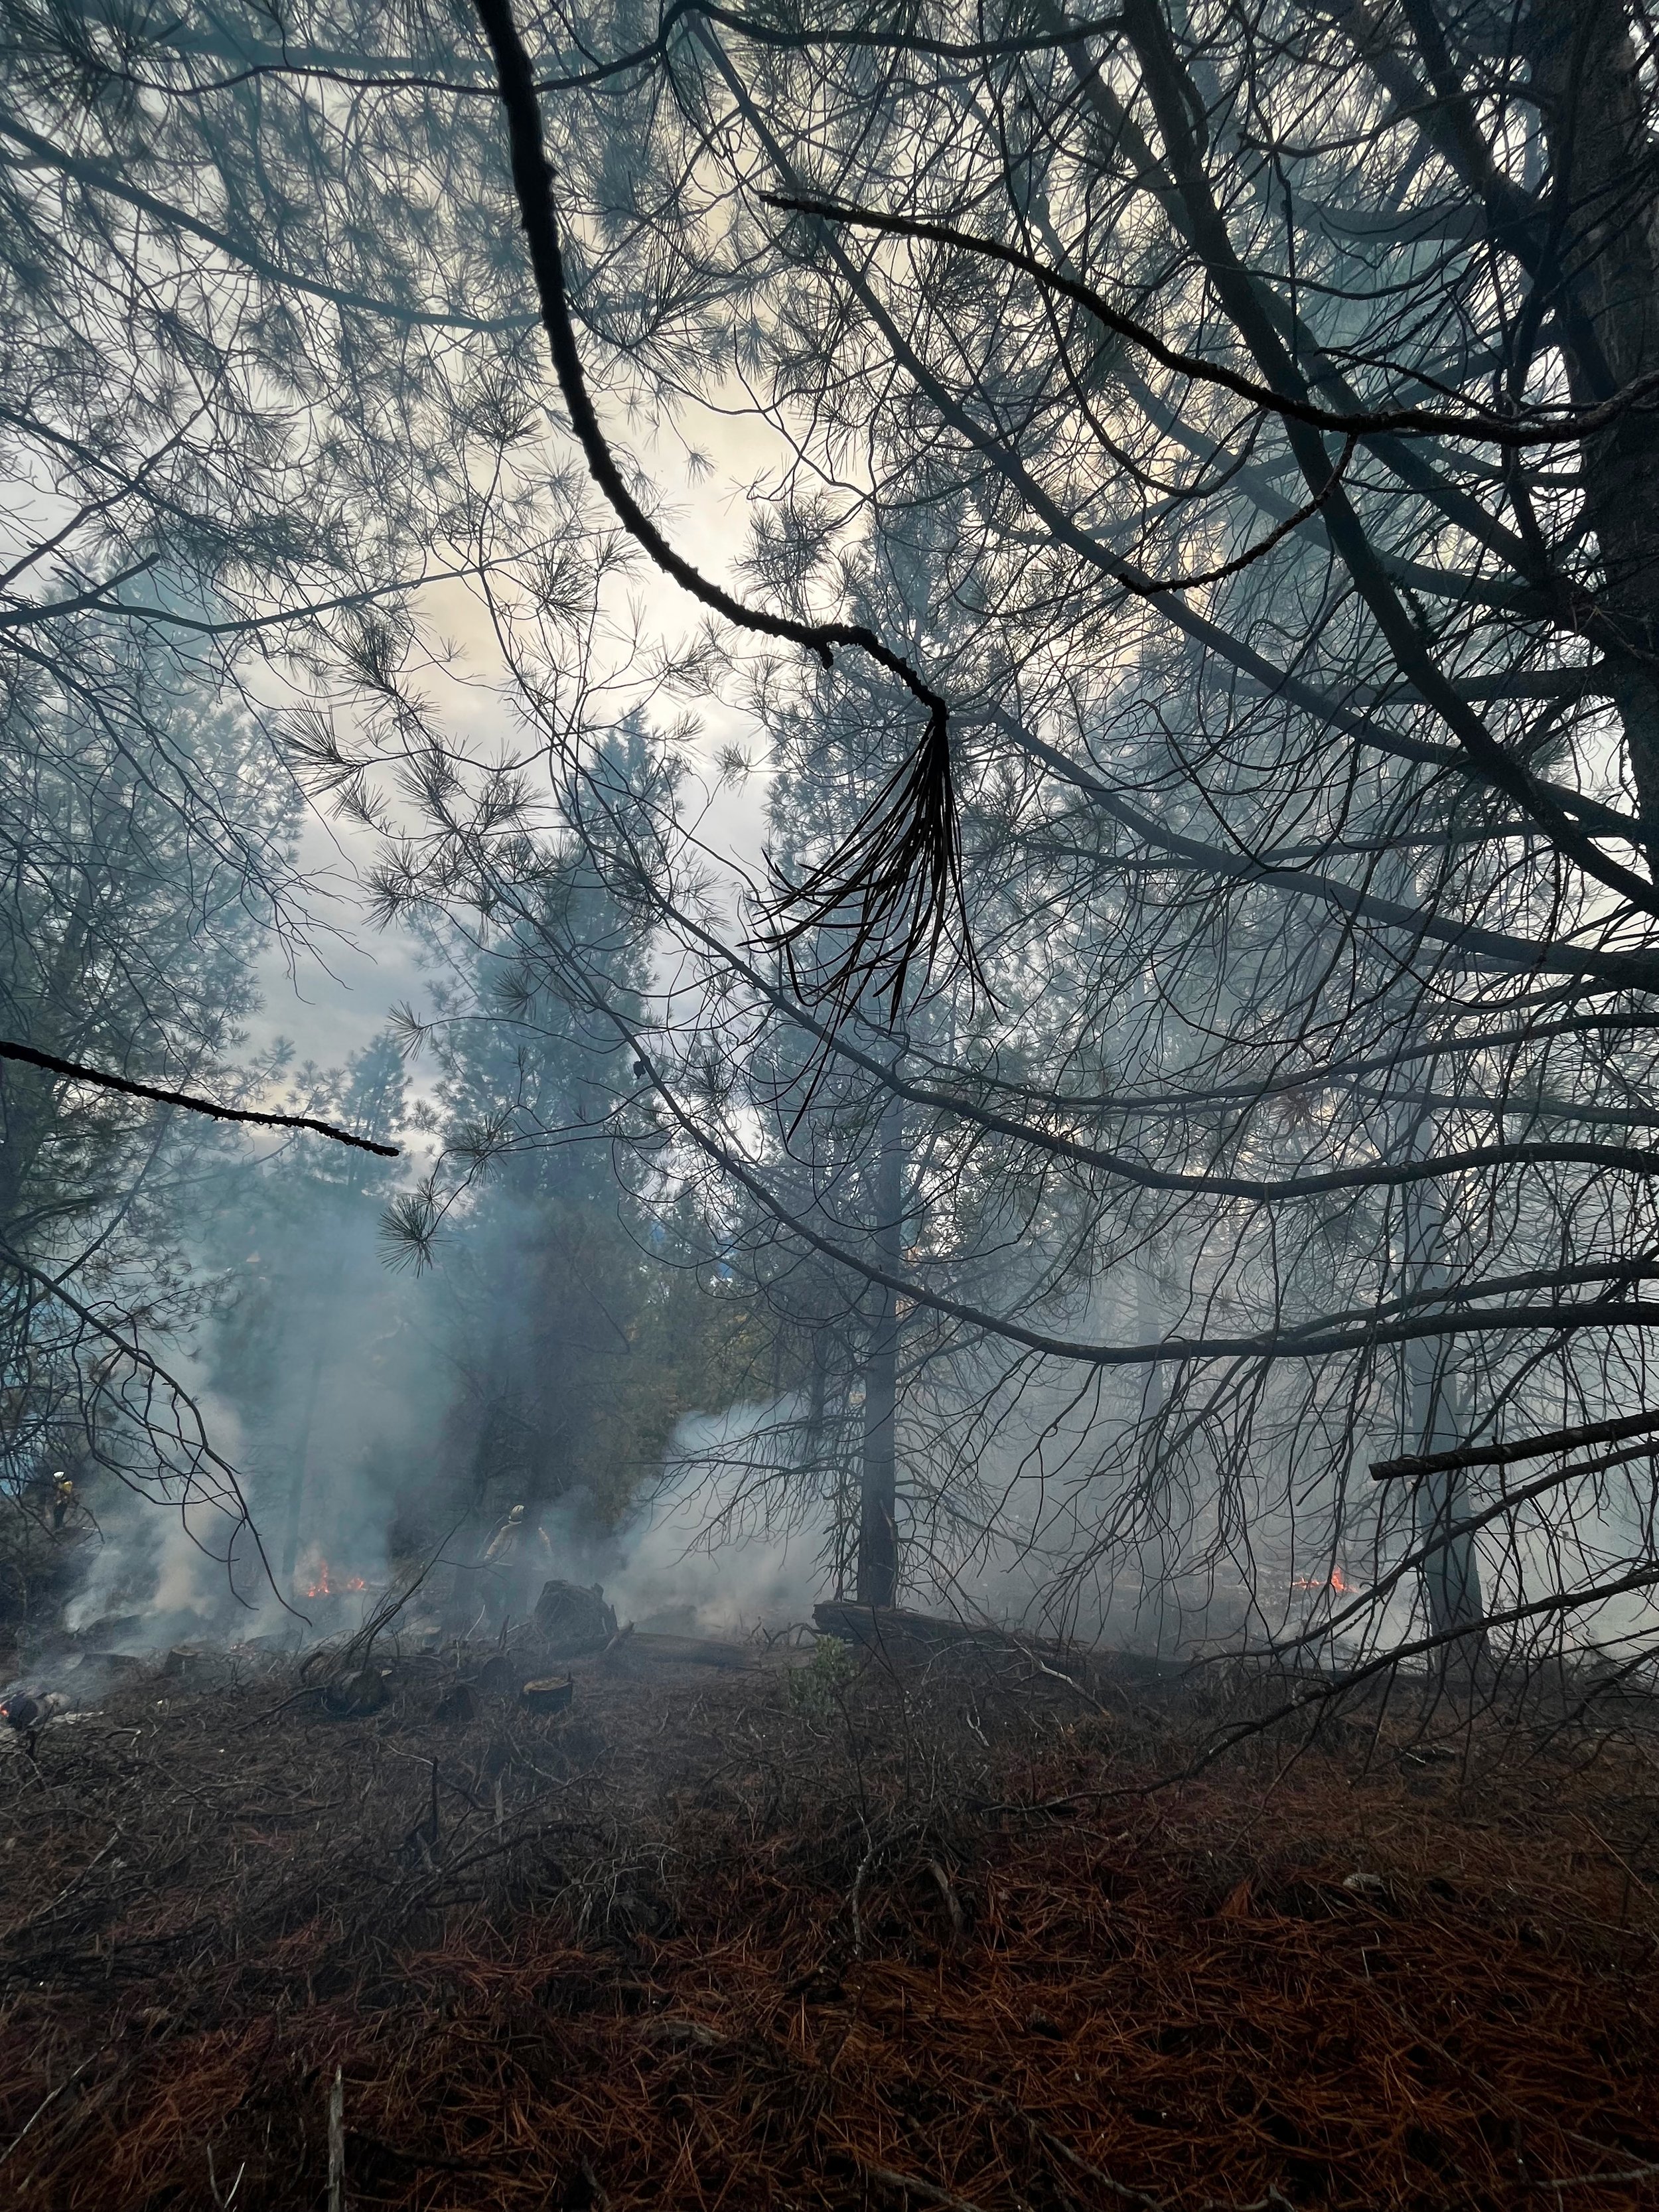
[{"x": 571, "y": 1618}]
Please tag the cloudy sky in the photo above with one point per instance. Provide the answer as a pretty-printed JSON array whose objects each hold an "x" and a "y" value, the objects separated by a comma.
[{"x": 327, "y": 1000}]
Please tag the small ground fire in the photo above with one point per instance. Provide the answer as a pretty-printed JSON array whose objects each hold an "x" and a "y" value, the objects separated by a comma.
[
  {"x": 1336, "y": 1582},
  {"x": 325, "y": 1583}
]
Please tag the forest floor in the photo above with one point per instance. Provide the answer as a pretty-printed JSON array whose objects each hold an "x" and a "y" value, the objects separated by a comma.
[{"x": 816, "y": 1939}]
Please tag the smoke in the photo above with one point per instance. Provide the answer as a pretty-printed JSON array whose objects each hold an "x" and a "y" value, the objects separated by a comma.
[
  {"x": 164, "y": 1570},
  {"x": 328, "y": 1390},
  {"x": 720, "y": 1545},
  {"x": 317, "y": 1384},
  {"x": 745, "y": 1528}
]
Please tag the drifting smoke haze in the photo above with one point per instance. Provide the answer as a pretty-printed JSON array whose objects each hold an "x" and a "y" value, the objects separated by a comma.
[
  {"x": 358, "y": 1403},
  {"x": 382, "y": 1421},
  {"x": 992, "y": 1036}
]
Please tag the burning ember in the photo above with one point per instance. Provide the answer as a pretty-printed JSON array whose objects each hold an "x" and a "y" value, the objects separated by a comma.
[
  {"x": 323, "y": 1583},
  {"x": 1339, "y": 1585}
]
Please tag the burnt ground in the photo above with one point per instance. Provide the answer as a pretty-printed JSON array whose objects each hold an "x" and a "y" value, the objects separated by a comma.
[{"x": 815, "y": 1939}]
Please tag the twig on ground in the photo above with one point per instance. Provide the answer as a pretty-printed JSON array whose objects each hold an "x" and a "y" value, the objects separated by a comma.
[
  {"x": 51, "y": 2098},
  {"x": 912, "y": 2184},
  {"x": 337, "y": 2143},
  {"x": 45, "y": 1912}
]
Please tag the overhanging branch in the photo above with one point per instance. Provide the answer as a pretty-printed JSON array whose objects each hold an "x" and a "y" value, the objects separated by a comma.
[
  {"x": 75, "y": 1071},
  {"x": 901, "y": 867}
]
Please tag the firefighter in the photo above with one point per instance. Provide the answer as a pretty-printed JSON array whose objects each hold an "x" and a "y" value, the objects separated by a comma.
[{"x": 517, "y": 1561}]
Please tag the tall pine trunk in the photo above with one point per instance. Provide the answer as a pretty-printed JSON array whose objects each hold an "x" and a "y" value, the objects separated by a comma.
[
  {"x": 1601, "y": 274},
  {"x": 1450, "y": 1574},
  {"x": 877, "y": 1570}
]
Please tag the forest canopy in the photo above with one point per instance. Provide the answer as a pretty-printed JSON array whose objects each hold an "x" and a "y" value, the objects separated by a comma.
[{"x": 1008, "y": 663}]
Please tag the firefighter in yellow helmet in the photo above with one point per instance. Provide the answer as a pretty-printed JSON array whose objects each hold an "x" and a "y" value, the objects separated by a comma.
[{"x": 517, "y": 1561}]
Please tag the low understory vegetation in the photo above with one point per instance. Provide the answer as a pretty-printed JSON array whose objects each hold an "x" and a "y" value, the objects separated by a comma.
[{"x": 821, "y": 1936}]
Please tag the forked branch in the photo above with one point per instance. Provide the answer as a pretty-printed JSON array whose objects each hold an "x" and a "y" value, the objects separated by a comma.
[{"x": 901, "y": 869}]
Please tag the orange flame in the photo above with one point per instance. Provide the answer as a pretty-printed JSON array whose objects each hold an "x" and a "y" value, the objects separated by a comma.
[
  {"x": 323, "y": 1584},
  {"x": 1339, "y": 1584}
]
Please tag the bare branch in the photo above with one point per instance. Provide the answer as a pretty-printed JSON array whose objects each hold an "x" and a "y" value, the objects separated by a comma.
[
  {"x": 1559, "y": 1440},
  {"x": 76, "y": 1072}
]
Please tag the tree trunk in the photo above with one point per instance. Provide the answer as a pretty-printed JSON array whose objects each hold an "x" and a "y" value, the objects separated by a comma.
[
  {"x": 298, "y": 1500},
  {"x": 1451, "y": 1573},
  {"x": 878, "y": 1569},
  {"x": 1157, "y": 1615},
  {"x": 1603, "y": 277}
]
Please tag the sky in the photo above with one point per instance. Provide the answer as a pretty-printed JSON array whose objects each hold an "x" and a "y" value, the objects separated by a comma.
[{"x": 328, "y": 1001}]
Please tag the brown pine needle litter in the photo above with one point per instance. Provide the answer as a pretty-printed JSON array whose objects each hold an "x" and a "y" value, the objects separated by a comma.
[{"x": 718, "y": 1941}]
